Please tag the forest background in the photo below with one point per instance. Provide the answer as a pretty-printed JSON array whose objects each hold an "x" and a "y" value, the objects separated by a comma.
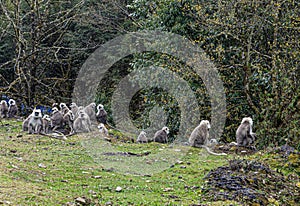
[{"x": 254, "y": 44}]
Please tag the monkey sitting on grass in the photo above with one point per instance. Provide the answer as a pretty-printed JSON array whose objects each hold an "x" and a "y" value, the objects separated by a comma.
[{"x": 200, "y": 137}]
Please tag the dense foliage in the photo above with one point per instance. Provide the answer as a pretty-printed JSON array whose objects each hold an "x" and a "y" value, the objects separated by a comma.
[
  {"x": 254, "y": 44},
  {"x": 256, "y": 49}
]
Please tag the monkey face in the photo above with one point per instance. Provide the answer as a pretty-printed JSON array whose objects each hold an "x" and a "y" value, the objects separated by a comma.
[
  {"x": 166, "y": 129},
  {"x": 62, "y": 105},
  {"x": 213, "y": 142},
  {"x": 73, "y": 105},
  {"x": 12, "y": 102},
  {"x": 208, "y": 126},
  {"x": 247, "y": 119},
  {"x": 37, "y": 113},
  {"x": 3, "y": 102},
  {"x": 100, "y": 107},
  {"x": 206, "y": 122},
  {"x": 100, "y": 126},
  {"x": 54, "y": 109}
]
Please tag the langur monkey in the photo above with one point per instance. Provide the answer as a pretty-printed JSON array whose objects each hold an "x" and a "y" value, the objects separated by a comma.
[
  {"x": 161, "y": 136},
  {"x": 46, "y": 123},
  {"x": 200, "y": 137},
  {"x": 25, "y": 123},
  {"x": 90, "y": 110},
  {"x": 101, "y": 114},
  {"x": 74, "y": 108},
  {"x": 82, "y": 122},
  {"x": 102, "y": 129},
  {"x": 244, "y": 135},
  {"x": 212, "y": 142},
  {"x": 142, "y": 138},
  {"x": 80, "y": 108},
  {"x": 68, "y": 119},
  {"x": 56, "y": 119},
  {"x": 12, "y": 109},
  {"x": 35, "y": 123},
  {"x": 3, "y": 109},
  {"x": 63, "y": 108}
]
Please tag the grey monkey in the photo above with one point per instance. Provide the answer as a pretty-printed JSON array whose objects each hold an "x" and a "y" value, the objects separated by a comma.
[
  {"x": 101, "y": 114},
  {"x": 142, "y": 137},
  {"x": 35, "y": 123},
  {"x": 200, "y": 134},
  {"x": 200, "y": 137},
  {"x": 90, "y": 110},
  {"x": 102, "y": 129},
  {"x": 25, "y": 123},
  {"x": 68, "y": 119},
  {"x": 12, "y": 109},
  {"x": 74, "y": 108},
  {"x": 244, "y": 134},
  {"x": 63, "y": 108},
  {"x": 46, "y": 123},
  {"x": 82, "y": 123},
  {"x": 161, "y": 136},
  {"x": 56, "y": 119},
  {"x": 3, "y": 109}
]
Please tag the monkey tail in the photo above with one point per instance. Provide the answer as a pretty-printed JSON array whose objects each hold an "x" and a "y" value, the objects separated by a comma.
[{"x": 213, "y": 153}]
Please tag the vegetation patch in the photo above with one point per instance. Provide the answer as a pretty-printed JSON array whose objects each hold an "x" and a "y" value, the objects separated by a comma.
[
  {"x": 38, "y": 170},
  {"x": 251, "y": 182}
]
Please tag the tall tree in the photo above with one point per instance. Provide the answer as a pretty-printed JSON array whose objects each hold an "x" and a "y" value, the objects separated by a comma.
[
  {"x": 46, "y": 42},
  {"x": 254, "y": 45}
]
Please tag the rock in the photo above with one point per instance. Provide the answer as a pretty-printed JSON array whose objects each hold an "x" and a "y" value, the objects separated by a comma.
[
  {"x": 70, "y": 204},
  {"x": 97, "y": 177},
  {"x": 4, "y": 202},
  {"x": 179, "y": 162},
  {"x": 14, "y": 166},
  {"x": 168, "y": 189},
  {"x": 64, "y": 180},
  {"x": 118, "y": 189},
  {"x": 81, "y": 201},
  {"x": 92, "y": 192},
  {"x": 41, "y": 165}
]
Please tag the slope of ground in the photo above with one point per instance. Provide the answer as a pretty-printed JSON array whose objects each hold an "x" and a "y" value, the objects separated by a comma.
[{"x": 38, "y": 170}]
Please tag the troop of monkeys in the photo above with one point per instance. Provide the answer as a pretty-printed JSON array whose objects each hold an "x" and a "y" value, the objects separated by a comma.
[
  {"x": 9, "y": 110},
  {"x": 200, "y": 136},
  {"x": 79, "y": 119},
  {"x": 76, "y": 119}
]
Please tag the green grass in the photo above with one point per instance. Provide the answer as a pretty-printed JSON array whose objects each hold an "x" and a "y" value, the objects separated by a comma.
[{"x": 38, "y": 170}]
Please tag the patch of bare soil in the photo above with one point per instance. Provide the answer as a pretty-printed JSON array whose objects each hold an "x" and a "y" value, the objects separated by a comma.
[{"x": 251, "y": 183}]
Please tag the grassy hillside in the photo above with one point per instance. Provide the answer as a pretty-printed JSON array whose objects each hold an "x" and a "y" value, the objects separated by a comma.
[{"x": 38, "y": 170}]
